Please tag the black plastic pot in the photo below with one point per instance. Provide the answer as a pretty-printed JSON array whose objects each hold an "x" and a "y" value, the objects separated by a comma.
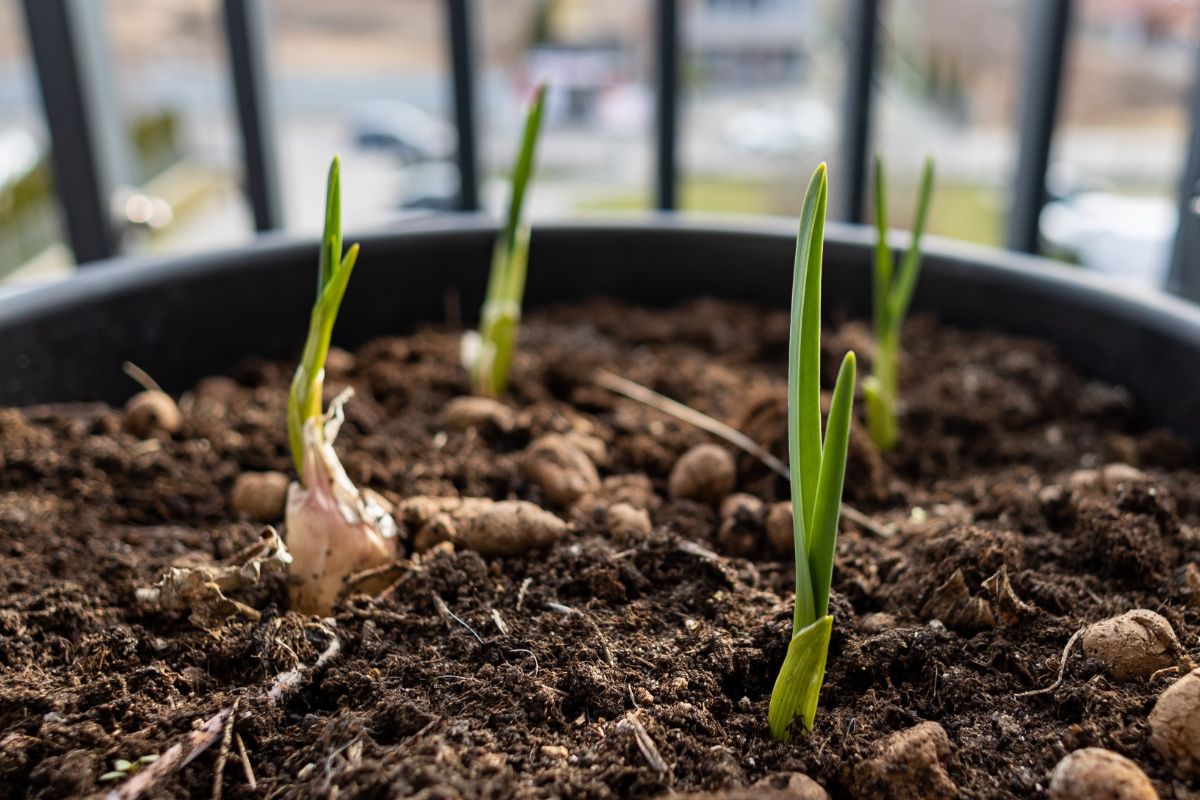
[{"x": 184, "y": 318}]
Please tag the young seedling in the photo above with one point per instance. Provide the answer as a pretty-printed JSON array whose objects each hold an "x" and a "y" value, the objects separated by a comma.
[
  {"x": 892, "y": 292},
  {"x": 122, "y": 768},
  {"x": 333, "y": 530},
  {"x": 487, "y": 353},
  {"x": 817, "y": 471}
]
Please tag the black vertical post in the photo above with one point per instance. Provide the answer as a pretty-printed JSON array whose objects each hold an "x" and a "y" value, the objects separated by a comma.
[
  {"x": 1047, "y": 29},
  {"x": 667, "y": 140},
  {"x": 1184, "y": 276},
  {"x": 82, "y": 117},
  {"x": 462, "y": 63},
  {"x": 246, "y": 36},
  {"x": 862, "y": 26}
]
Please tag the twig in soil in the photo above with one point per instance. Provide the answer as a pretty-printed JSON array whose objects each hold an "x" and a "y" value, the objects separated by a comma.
[
  {"x": 223, "y": 752},
  {"x": 1165, "y": 671},
  {"x": 140, "y": 377},
  {"x": 645, "y": 744},
  {"x": 649, "y": 397},
  {"x": 521, "y": 592},
  {"x": 660, "y": 402},
  {"x": 392, "y": 572},
  {"x": 446, "y": 614},
  {"x": 1062, "y": 668},
  {"x": 536, "y": 666},
  {"x": 568, "y": 611},
  {"x": 203, "y": 738},
  {"x": 286, "y": 681},
  {"x": 246, "y": 766}
]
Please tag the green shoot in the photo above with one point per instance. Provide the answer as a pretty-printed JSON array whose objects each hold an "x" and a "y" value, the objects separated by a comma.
[
  {"x": 892, "y": 292},
  {"x": 817, "y": 474},
  {"x": 333, "y": 275},
  {"x": 487, "y": 354}
]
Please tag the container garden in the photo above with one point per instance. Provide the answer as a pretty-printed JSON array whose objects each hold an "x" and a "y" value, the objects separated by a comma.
[{"x": 1045, "y": 480}]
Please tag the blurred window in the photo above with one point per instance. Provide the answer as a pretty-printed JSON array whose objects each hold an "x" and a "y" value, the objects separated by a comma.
[
  {"x": 181, "y": 187},
  {"x": 596, "y": 148},
  {"x": 950, "y": 77},
  {"x": 1120, "y": 146},
  {"x": 368, "y": 80},
  {"x": 763, "y": 82}
]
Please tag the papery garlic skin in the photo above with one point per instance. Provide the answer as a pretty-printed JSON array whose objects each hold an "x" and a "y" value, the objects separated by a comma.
[{"x": 333, "y": 530}]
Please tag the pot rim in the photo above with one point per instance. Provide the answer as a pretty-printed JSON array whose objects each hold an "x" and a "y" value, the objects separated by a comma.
[{"x": 1155, "y": 309}]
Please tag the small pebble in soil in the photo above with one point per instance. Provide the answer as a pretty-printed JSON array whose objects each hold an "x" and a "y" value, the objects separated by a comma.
[
  {"x": 151, "y": 412},
  {"x": 592, "y": 446},
  {"x": 909, "y": 766},
  {"x": 741, "y": 524},
  {"x": 1106, "y": 478},
  {"x": 705, "y": 473},
  {"x": 784, "y": 786},
  {"x": 562, "y": 470},
  {"x": 260, "y": 495},
  {"x": 627, "y": 524},
  {"x": 1175, "y": 725},
  {"x": 779, "y": 526},
  {"x": 877, "y": 622},
  {"x": 509, "y": 528},
  {"x": 1135, "y": 644},
  {"x": 635, "y": 489},
  {"x": 464, "y": 413},
  {"x": 1094, "y": 773}
]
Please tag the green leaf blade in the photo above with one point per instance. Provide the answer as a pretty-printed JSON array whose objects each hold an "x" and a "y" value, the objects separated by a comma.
[
  {"x": 804, "y": 368},
  {"x": 910, "y": 266},
  {"x": 331, "y": 237},
  {"x": 798, "y": 686},
  {"x": 523, "y": 169},
  {"x": 880, "y": 289},
  {"x": 829, "y": 492}
]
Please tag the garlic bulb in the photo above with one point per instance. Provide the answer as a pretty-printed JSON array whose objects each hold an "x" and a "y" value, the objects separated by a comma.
[{"x": 334, "y": 531}]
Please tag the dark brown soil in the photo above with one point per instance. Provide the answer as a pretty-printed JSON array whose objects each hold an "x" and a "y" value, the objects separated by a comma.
[{"x": 533, "y": 692}]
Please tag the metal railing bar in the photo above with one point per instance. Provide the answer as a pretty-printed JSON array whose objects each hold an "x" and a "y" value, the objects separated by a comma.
[
  {"x": 89, "y": 150},
  {"x": 246, "y": 36},
  {"x": 667, "y": 99},
  {"x": 862, "y": 29},
  {"x": 462, "y": 57},
  {"x": 1048, "y": 27},
  {"x": 1184, "y": 275}
]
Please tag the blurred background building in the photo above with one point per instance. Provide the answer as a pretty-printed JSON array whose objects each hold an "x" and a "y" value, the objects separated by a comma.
[{"x": 761, "y": 93}]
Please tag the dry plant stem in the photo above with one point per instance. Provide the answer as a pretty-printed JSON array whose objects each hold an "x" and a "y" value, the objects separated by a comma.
[
  {"x": 645, "y": 743},
  {"x": 1062, "y": 667},
  {"x": 649, "y": 397},
  {"x": 211, "y": 731},
  {"x": 251, "y": 781},
  {"x": 140, "y": 377},
  {"x": 223, "y": 753}
]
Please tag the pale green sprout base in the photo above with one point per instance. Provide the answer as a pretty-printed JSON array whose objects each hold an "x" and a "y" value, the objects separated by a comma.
[
  {"x": 487, "y": 354},
  {"x": 818, "y": 470},
  {"x": 798, "y": 686},
  {"x": 892, "y": 292}
]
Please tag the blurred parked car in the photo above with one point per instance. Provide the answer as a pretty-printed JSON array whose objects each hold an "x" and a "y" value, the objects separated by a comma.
[
  {"x": 404, "y": 130},
  {"x": 430, "y": 185}
]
